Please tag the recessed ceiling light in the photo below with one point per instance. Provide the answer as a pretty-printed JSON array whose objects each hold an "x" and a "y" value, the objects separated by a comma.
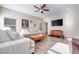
[{"x": 68, "y": 9}]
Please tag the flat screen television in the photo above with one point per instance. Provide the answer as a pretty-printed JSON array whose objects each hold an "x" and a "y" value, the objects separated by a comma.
[{"x": 58, "y": 22}]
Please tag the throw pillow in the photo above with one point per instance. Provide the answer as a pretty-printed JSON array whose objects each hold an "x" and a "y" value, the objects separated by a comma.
[
  {"x": 12, "y": 35},
  {"x": 4, "y": 37}
]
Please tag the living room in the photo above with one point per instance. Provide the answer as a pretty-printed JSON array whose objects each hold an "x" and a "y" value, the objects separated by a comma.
[{"x": 36, "y": 26}]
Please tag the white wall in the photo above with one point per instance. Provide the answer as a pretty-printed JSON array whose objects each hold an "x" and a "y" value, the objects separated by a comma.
[
  {"x": 18, "y": 16},
  {"x": 70, "y": 23},
  {"x": 0, "y": 18},
  {"x": 49, "y": 19}
]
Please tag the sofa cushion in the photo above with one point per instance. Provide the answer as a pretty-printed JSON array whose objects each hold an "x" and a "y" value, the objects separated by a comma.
[
  {"x": 4, "y": 37},
  {"x": 12, "y": 35}
]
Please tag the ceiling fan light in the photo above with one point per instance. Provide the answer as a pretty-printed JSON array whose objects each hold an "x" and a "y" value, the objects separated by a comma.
[{"x": 41, "y": 11}]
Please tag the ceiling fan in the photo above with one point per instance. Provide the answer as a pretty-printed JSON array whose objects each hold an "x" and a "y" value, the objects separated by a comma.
[{"x": 41, "y": 8}]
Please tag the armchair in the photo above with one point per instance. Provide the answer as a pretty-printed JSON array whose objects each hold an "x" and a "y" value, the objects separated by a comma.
[{"x": 73, "y": 45}]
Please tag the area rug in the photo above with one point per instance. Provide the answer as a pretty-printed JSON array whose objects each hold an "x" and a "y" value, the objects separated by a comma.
[{"x": 59, "y": 48}]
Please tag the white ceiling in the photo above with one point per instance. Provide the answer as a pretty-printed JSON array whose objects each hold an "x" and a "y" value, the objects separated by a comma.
[{"x": 54, "y": 9}]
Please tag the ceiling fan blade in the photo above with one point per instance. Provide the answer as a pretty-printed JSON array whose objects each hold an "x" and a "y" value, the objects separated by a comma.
[
  {"x": 46, "y": 9},
  {"x": 36, "y": 10},
  {"x": 43, "y": 6},
  {"x": 36, "y": 7}
]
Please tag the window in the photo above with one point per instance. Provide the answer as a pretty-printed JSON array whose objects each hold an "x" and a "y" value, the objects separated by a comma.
[{"x": 8, "y": 22}]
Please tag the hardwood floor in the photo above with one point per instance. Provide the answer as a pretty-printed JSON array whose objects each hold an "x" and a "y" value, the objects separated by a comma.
[{"x": 43, "y": 46}]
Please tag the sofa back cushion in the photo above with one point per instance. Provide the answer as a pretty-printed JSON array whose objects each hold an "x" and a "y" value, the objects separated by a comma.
[
  {"x": 4, "y": 37},
  {"x": 12, "y": 35}
]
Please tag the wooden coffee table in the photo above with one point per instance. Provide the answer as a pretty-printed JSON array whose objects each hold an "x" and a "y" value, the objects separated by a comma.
[{"x": 38, "y": 37}]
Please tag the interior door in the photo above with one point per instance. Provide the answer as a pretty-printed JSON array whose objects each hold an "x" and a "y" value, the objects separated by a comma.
[{"x": 46, "y": 28}]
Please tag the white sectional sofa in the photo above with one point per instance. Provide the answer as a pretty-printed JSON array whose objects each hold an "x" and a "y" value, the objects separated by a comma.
[{"x": 10, "y": 43}]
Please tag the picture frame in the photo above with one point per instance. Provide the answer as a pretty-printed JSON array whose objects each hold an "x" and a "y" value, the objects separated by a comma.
[{"x": 25, "y": 23}]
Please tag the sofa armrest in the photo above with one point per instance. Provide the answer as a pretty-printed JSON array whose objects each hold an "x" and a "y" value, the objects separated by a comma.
[
  {"x": 18, "y": 46},
  {"x": 73, "y": 45},
  {"x": 69, "y": 40},
  {"x": 32, "y": 44}
]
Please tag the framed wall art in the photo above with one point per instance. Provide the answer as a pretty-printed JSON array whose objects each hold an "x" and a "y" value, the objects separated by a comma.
[{"x": 25, "y": 23}]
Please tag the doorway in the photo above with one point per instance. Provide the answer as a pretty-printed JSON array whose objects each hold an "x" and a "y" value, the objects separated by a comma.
[{"x": 46, "y": 28}]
